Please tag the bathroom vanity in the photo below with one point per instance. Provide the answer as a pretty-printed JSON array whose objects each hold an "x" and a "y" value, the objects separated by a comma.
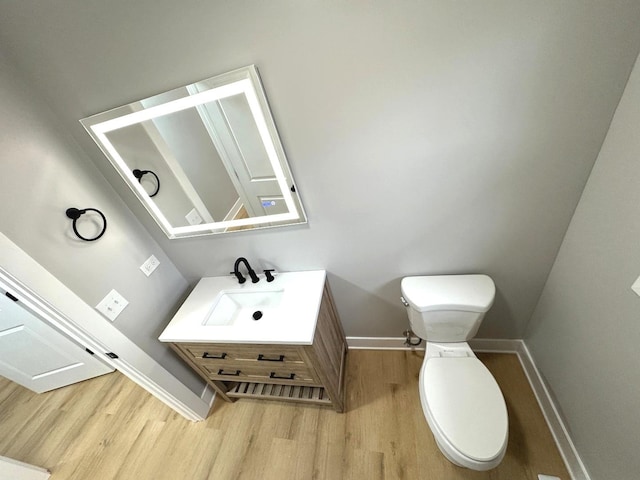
[{"x": 279, "y": 340}]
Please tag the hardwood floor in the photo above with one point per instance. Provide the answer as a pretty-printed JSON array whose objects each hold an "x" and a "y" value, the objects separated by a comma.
[{"x": 109, "y": 428}]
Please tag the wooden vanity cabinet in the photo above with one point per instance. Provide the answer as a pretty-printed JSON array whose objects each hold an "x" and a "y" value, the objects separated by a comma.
[{"x": 299, "y": 373}]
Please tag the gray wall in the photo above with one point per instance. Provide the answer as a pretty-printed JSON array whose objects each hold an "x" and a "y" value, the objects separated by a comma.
[
  {"x": 44, "y": 172},
  {"x": 425, "y": 137},
  {"x": 585, "y": 330}
]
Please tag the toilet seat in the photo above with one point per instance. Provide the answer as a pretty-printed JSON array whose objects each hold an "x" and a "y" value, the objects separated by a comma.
[{"x": 465, "y": 409}]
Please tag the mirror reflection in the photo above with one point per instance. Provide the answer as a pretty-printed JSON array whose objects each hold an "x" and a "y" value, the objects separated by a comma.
[{"x": 204, "y": 158}]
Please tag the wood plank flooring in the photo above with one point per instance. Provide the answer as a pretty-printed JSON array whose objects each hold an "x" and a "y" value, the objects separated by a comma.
[{"x": 109, "y": 428}]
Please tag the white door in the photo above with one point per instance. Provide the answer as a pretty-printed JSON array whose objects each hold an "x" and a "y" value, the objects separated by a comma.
[
  {"x": 37, "y": 356},
  {"x": 230, "y": 124},
  {"x": 247, "y": 157},
  {"x": 11, "y": 469}
]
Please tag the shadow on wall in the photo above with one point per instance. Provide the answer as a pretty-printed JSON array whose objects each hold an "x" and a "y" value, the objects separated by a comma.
[
  {"x": 366, "y": 313},
  {"x": 380, "y": 313},
  {"x": 498, "y": 314}
]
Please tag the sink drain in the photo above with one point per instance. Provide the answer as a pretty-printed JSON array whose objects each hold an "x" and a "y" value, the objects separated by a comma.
[{"x": 257, "y": 315}]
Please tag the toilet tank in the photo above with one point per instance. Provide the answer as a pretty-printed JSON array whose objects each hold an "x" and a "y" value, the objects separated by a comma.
[{"x": 447, "y": 308}]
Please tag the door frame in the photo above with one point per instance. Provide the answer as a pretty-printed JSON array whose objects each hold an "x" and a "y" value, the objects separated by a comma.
[{"x": 68, "y": 313}]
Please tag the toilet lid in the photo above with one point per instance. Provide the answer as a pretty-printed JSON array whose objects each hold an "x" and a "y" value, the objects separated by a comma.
[{"x": 466, "y": 405}]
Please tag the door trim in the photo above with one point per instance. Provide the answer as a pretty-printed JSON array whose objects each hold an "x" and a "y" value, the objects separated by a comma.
[
  {"x": 11, "y": 469},
  {"x": 68, "y": 313}
]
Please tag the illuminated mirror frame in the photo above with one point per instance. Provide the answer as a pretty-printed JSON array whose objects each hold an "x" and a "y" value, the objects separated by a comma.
[{"x": 242, "y": 81}]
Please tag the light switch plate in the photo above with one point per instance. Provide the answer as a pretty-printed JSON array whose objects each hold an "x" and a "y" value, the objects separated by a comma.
[
  {"x": 636, "y": 286},
  {"x": 193, "y": 217},
  {"x": 112, "y": 305},
  {"x": 150, "y": 265}
]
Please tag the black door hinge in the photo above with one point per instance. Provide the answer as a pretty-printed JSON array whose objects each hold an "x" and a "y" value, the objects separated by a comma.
[
  {"x": 111, "y": 355},
  {"x": 88, "y": 351}
]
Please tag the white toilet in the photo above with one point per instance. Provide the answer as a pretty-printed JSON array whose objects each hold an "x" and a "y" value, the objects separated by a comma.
[{"x": 460, "y": 398}]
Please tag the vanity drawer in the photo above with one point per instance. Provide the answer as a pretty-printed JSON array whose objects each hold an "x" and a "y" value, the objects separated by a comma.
[
  {"x": 290, "y": 374},
  {"x": 204, "y": 353}
]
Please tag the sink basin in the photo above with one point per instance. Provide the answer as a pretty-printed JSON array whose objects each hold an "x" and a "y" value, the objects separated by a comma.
[
  {"x": 243, "y": 306},
  {"x": 220, "y": 310}
]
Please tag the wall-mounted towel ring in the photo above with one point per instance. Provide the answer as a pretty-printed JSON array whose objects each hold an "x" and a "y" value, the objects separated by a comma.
[
  {"x": 140, "y": 173},
  {"x": 75, "y": 214}
]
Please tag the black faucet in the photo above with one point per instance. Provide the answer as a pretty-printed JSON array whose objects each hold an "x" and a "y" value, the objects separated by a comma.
[{"x": 239, "y": 276}]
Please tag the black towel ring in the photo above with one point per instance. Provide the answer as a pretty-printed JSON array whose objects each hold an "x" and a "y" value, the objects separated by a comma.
[
  {"x": 75, "y": 214},
  {"x": 140, "y": 173}
]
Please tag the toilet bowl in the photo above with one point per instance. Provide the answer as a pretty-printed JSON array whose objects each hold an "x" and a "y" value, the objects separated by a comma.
[{"x": 461, "y": 401}]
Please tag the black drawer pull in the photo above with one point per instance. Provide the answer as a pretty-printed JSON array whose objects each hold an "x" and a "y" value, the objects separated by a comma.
[
  {"x": 218, "y": 357},
  {"x": 222, "y": 372},
  {"x": 262, "y": 358},
  {"x": 290, "y": 377}
]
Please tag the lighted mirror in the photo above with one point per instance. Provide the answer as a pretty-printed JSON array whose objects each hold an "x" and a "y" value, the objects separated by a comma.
[{"x": 204, "y": 158}]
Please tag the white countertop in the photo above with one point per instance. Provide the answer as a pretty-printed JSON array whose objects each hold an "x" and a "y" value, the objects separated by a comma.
[{"x": 294, "y": 323}]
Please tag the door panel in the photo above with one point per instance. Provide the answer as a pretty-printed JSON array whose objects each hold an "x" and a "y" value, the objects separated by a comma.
[
  {"x": 11, "y": 469},
  {"x": 38, "y": 357}
]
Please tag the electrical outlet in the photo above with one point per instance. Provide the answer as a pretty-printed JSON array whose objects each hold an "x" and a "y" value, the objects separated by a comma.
[
  {"x": 193, "y": 217},
  {"x": 150, "y": 265},
  {"x": 112, "y": 305}
]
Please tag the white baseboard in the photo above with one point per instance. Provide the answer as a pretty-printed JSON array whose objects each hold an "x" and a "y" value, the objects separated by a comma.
[
  {"x": 379, "y": 343},
  {"x": 397, "y": 343},
  {"x": 208, "y": 395},
  {"x": 549, "y": 409}
]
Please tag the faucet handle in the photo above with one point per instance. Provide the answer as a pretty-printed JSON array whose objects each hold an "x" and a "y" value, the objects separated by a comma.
[
  {"x": 269, "y": 275},
  {"x": 239, "y": 276}
]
